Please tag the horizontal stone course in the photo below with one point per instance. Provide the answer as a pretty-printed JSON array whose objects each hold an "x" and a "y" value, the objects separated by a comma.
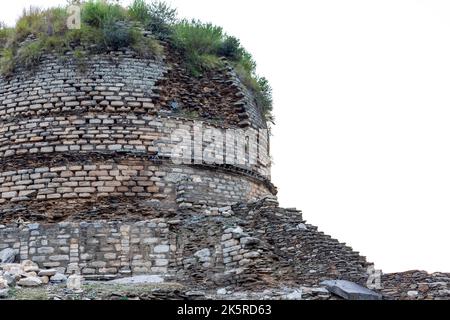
[
  {"x": 122, "y": 133},
  {"x": 83, "y": 144}
]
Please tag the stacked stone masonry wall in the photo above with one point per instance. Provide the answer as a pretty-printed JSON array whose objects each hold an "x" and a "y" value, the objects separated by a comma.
[
  {"x": 245, "y": 244},
  {"x": 111, "y": 104},
  {"x": 84, "y": 139}
]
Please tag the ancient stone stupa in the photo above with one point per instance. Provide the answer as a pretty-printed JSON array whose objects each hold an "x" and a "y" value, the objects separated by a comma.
[{"x": 89, "y": 182}]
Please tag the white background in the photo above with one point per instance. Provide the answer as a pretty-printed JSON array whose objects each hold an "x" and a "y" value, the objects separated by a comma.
[{"x": 362, "y": 107}]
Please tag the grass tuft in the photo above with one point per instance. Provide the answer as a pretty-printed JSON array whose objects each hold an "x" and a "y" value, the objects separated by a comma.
[{"x": 30, "y": 54}]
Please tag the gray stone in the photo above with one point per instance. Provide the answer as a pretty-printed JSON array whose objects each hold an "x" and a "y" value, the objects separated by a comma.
[
  {"x": 31, "y": 268},
  {"x": 10, "y": 279},
  {"x": 236, "y": 230},
  {"x": 350, "y": 290},
  {"x": 162, "y": 249},
  {"x": 320, "y": 291},
  {"x": 30, "y": 282},
  {"x": 195, "y": 293},
  {"x": 203, "y": 255},
  {"x": 8, "y": 255},
  {"x": 301, "y": 226},
  {"x": 14, "y": 269},
  {"x": 142, "y": 279},
  {"x": 47, "y": 272},
  {"x": 412, "y": 294},
  {"x": 74, "y": 282},
  {"x": 296, "y": 295},
  {"x": 222, "y": 291},
  {"x": 251, "y": 255},
  {"x": 4, "y": 293},
  {"x": 249, "y": 241},
  {"x": 33, "y": 226},
  {"x": 59, "y": 277}
]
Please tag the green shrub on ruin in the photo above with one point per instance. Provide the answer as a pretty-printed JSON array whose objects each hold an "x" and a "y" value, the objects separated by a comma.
[
  {"x": 157, "y": 17},
  {"x": 162, "y": 19},
  {"x": 139, "y": 11},
  {"x": 6, "y": 61},
  {"x": 5, "y": 35},
  {"x": 30, "y": 54},
  {"x": 199, "y": 42},
  {"x": 106, "y": 26},
  {"x": 85, "y": 36},
  {"x": 97, "y": 13}
]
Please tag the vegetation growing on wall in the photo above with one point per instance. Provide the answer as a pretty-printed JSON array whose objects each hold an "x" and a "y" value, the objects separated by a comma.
[{"x": 106, "y": 25}]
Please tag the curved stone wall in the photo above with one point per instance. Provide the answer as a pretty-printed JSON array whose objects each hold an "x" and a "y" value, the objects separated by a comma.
[
  {"x": 104, "y": 83},
  {"x": 103, "y": 132},
  {"x": 129, "y": 178},
  {"x": 102, "y": 127},
  {"x": 123, "y": 83}
]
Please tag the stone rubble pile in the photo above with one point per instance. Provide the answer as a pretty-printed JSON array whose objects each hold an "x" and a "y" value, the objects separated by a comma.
[{"x": 27, "y": 274}]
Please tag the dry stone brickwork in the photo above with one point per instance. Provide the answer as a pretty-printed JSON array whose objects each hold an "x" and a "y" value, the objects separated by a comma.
[
  {"x": 106, "y": 132},
  {"x": 133, "y": 178},
  {"x": 120, "y": 82},
  {"x": 112, "y": 83},
  {"x": 245, "y": 244},
  {"x": 87, "y": 183},
  {"x": 100, "y": 248}
]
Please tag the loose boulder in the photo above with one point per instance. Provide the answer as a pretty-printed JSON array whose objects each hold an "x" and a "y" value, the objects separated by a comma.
[
  {"x": 45, "y": 279},
  {"x": 10, "y": 279},
  {"x": 59, "y": 277},
  {"x": 14, "y": 269},
  {"x": 350, "y": 290},
  {"x": 30, "y": 266}
]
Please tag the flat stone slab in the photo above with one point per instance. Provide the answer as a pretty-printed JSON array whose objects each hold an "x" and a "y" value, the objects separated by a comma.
[
  {"x": 142, "y": 279},
  {"x": 350, "y": 290},
  {"x": 47, "y": 272}
]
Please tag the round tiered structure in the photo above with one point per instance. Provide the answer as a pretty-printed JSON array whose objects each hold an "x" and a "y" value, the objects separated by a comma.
[
  {"x": 87, "y": 181},
  {"x": 77, "y": 132}
]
